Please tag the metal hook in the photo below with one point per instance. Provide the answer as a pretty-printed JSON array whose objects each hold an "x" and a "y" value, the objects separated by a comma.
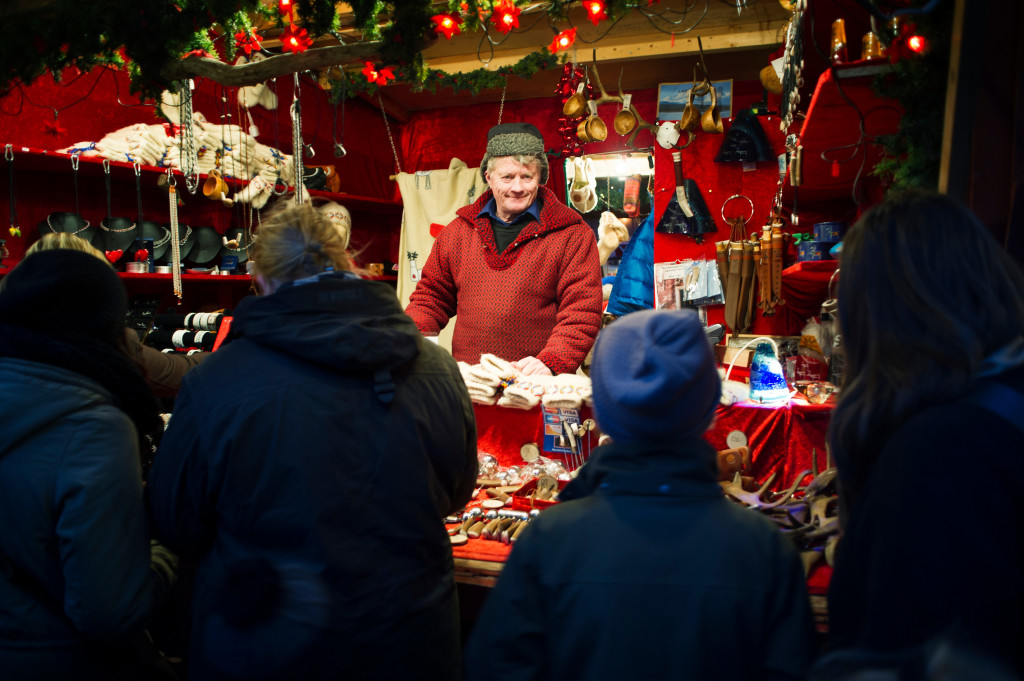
[
  {"x": 138, "y": 168},
  {"x": 9, "y": 152},
  {"x": 170, "y": 178},
  {"x": 74, "y": 162},
  {"x": 106, "y": 166}
]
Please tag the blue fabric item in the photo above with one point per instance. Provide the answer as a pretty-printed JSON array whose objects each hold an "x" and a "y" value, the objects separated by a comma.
[
  {"x": 654, "y": 377},
  {"x": 634, "y": 284},
  {"x": 608, "y": 280}
]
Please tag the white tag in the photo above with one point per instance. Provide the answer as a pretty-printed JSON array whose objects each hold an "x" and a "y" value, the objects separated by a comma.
[
  {"x": 735, "y": 439},
  {"x": 626, "y": 101},
  {"x": 254, "y": 131},
  {"x": 777, "y": 64}
]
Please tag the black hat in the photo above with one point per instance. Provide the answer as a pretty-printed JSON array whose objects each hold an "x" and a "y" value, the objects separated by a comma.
[
  {"x": 513, "y": 139},
  {"x": 151, "y": 231},
  {"x": 64, "y": 290},
  {"x": 116, "y": 234},
  {"x": 207, "y": 246},
  {"x": 72, "y": 223},
  {"x": 186, "y": 240}
]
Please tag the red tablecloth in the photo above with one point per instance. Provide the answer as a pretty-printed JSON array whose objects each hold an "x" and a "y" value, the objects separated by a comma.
[{"x": 782, "y": 440}]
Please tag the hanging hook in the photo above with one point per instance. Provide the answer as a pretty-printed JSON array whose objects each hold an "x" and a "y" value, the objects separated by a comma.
[{"x": 9, "y": 152}]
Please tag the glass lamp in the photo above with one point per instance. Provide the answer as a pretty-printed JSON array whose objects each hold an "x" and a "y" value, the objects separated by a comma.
[{"x": 767, "y": 381}]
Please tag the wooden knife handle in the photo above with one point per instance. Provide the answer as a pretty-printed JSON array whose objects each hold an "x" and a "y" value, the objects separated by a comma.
[{"x": 515, "y": 535}]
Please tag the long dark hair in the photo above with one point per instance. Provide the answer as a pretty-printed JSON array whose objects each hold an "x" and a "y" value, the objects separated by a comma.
[{"x": 925, "y": 294}]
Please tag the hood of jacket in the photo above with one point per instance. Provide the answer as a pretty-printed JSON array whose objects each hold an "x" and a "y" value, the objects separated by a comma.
[
  {"x": 682, "y": 468},
  {"x": 334, "y": 319},
  {"x": 40, "y": 395}
]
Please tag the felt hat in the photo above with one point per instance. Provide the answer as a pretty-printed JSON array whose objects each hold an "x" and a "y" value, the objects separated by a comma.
[
  {"x": 654, "y": 376},
  {"x": 64, "y": 290},
  {"x": 116, "y": 234},
  {"x": 150, "y": 231},
  {"x": 513, "y": 139},
  {"x": 208, "y": 244},
  {"x": 186, "y": 241},
  {"x": 72, "y": 223}
]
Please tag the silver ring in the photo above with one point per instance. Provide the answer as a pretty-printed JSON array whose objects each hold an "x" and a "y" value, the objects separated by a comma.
[{"x": 738, "y": 196}]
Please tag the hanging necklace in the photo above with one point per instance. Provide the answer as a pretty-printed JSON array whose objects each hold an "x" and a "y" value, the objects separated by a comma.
[{"x": 55, "y": 230}]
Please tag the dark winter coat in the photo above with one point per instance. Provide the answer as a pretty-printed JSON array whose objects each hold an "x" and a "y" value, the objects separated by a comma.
[
  {"x": 74, "y": 570},
  {"x": 934, "y": 545},
  {"x": 307, "y": 466},
  {"x": 646, "y": 571}
]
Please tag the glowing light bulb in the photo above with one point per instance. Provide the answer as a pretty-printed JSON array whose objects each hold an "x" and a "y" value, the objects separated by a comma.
[{"x": 917, "y": 43}]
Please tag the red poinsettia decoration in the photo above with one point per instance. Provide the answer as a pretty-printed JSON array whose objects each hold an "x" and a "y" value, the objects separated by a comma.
[
  {"x": 295, "y": 39},
  {"x": 563, "y": 40},
  {"x": 378, "y": 76},
  {"x": 198, "y": 53},
  {"x": 248, "y": 42},
  {"x": 446, "y": 25},
  {"x": 596, "y": 11},
  {"x": 285, "y": 8},
  {"x": 505, "y": 15}
]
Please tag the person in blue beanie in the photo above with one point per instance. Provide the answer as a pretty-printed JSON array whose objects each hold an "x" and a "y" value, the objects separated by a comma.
[{"x": 645, "y": 570}]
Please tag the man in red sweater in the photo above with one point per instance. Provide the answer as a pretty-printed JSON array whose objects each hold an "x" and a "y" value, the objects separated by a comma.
[{"x": 518, "y": 267}]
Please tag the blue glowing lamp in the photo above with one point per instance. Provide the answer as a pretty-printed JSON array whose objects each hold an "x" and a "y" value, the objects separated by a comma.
[{"x": 767, "y": 382}]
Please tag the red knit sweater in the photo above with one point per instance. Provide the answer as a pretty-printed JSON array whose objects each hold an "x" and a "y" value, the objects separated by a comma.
[{"x": 540, "y": 298}]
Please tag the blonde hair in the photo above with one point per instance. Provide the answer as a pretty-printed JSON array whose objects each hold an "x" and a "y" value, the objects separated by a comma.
[
  {"x": 297, "y": 241},
  {"x": 65, "y": 241}
]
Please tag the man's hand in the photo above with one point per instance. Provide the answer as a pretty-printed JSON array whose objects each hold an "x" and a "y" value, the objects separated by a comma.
[{"x": 531, "y": 366}]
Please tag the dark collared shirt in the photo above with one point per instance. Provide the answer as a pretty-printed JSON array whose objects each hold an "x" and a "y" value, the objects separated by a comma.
[{"x": 506, "y": 232}]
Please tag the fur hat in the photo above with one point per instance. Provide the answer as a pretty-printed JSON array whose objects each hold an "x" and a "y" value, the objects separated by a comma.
[
  {"x": 513, "y": 139},
  {"x": 62, "y": 290},
  {"x": 654, "y": 377}
]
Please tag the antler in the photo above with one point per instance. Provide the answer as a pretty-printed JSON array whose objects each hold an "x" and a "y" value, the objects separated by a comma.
[
  {"x": 641, "y": 124},
  {"x": 606, "y": 98}
]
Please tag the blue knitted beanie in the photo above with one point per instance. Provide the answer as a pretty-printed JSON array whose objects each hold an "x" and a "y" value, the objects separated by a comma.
[{"x": 654, "y": 377}]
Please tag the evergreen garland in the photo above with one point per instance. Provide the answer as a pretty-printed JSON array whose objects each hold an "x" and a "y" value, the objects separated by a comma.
[{"x": 913, "y": 155}]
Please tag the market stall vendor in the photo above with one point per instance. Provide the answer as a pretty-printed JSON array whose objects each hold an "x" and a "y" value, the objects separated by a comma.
[{"x": 518, "y": 267}]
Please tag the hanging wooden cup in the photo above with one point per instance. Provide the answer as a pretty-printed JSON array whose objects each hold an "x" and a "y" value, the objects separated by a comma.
[
  {"x": 592, "y": 128},
  {"x": 690, "y": 119},
  {"x": 711, "y": 120},
  {"x": 575, "y": 105},
  {"x": 625, "y": 120},
  {"x": 215, "y": 188}
]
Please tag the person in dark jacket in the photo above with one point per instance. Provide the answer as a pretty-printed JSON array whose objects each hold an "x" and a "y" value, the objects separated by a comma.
[
  {"x": 163, "y": 371},
  {"x": 307, "y": 467},
  {"x": 926, "y": 437},
  {"x": 645, "y": 570},
  {"x": 77, "y": 579}
]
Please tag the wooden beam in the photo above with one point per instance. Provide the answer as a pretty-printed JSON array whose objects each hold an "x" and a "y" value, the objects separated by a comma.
[{"x": 271, "y": 67}]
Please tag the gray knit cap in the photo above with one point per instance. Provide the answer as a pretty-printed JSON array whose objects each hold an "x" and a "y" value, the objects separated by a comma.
[{"x": 514, "y": 139}]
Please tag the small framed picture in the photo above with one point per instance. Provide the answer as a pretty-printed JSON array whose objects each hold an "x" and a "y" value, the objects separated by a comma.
[{"x": 672, "y": 97}]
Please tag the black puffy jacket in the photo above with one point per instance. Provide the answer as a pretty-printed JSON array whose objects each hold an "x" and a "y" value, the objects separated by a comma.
[{"x": 307, "y": 466}]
